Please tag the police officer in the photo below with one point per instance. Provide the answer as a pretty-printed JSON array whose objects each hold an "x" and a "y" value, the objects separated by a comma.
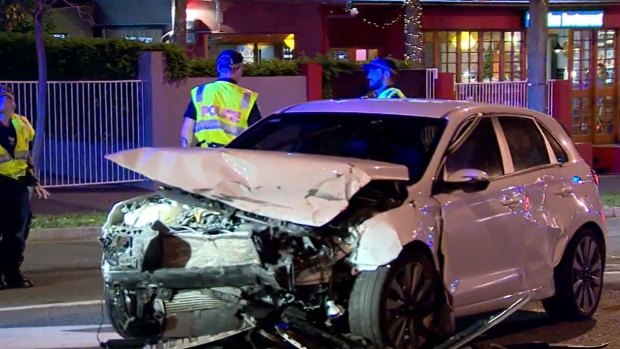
[
  {"x": 221, "y": 110},
  {"x": 381, "y": 73},
  {"x": 16, "y": 176}
]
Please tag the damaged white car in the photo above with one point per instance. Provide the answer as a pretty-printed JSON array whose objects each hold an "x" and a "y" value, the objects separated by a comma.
[{"x": 370, "y": 221}]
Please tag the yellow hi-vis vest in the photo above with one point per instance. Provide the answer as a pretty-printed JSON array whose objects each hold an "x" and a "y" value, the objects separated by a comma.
[
  {"x": 390, "y": 92},
  {"x": 15, "y": 167},
  {"x": 222, "y": 112}
]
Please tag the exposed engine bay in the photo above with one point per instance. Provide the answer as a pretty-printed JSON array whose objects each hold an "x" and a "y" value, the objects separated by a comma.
[{"x": 177, "y": 264}]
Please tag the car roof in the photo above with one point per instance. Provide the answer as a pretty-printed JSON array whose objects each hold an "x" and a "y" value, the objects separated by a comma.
[{"x": 433, "y": 108}]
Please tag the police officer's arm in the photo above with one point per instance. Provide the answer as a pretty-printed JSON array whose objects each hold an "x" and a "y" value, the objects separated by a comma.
[
  {"x": 189, "y": 123},
  {"x": 42, "y": 193}
]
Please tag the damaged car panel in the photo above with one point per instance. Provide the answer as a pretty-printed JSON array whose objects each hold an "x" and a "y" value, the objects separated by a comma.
[
  {"x": 356, "y": 222},
  {"x": 268, "y": 183}
]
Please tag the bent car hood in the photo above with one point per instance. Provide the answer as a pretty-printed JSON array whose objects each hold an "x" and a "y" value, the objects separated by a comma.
[{"x": 304, "y": 189}]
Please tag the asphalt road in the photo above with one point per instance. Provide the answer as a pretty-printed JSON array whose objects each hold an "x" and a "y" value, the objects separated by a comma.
[{"x": 64, "y": 310}]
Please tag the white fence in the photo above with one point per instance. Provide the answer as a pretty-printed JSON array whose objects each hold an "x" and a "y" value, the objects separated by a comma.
[
  {"x": 431, "y": 82},
  {"x": 512, "y": 93},
  {"x": 85, "y": 122}
]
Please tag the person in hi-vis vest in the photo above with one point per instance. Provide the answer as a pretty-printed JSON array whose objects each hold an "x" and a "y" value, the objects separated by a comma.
[
  {"x": 381, "y": 73},
  {"x": 219, "y": 111},
  {"x": 17, "y": 175}
]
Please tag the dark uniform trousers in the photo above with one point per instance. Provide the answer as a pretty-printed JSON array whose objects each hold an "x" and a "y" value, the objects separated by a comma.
[{"x": 15, "y": 219}]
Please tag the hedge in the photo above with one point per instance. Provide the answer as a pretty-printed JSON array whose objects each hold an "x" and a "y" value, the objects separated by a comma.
[
  {"x": 115, "y": 59},
  {"x": 82, "y": 58}
]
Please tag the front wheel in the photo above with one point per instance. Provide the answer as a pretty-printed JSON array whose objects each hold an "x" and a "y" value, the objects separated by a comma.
[
  {"x": 578, "y": 279},
  {"x": 396, "y": 306}
]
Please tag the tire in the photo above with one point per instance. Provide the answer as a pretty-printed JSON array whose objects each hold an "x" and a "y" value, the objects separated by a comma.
[
  {"x": 578, "y": 281},
  {"x": 374, "y": 293}
]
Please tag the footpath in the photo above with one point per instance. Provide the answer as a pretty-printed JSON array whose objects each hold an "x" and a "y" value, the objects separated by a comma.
[{"x": 101, "y": 199}]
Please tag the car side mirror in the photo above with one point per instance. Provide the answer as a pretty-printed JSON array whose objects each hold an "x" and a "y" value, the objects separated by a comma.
[{"x": 469, "y": 180}]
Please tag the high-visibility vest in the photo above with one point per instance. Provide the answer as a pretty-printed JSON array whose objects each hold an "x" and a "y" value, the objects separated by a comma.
[
  {"x": 390, "y": 92},
  {"x": 15, "y": 167},
  {"x": 222, "y": 112}
]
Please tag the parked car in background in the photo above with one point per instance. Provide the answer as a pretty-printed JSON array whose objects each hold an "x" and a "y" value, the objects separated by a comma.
[{"x": 377, "y": 221}]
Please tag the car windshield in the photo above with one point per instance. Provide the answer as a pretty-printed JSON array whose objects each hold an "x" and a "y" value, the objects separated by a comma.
[{"x": 404, "y": 140}]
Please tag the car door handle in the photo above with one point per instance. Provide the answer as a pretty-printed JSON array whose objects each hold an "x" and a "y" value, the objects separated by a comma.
[
  {"x": 511, "y": 200},
  {"x": 565, "y": 191}
]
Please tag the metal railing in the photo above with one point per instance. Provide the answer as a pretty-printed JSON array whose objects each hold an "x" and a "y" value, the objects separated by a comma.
[
  {"x": 86, "y": 120},
  {"x": 431, "y": 82},
  {"x": 513, "y": 93}
]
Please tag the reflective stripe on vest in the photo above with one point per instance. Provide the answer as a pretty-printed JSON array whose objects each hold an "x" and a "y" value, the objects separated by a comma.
[
  {"x": 206, "y": 125},
  {"x": 390, "y": 92},
  {"x": 222, "y": 111},
  {"x": 16, "y": 167}
]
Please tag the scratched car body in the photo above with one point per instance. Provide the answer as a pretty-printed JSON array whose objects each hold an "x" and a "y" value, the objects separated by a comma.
[{"x": 377, "y": 221}]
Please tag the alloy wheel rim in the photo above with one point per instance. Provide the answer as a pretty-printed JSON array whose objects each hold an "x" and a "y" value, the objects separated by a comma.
[
  {"x": 409, "y": 307},
  {"x": 587, "y": 274}
]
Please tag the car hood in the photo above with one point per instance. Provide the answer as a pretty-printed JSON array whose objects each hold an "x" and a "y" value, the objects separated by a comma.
[{"x": 299, "y": 188}]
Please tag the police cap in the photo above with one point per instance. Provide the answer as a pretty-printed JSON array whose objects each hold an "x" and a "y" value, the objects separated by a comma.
[
  {"x": 384, "y": 64},
  {"x": 230, "y": 59}
]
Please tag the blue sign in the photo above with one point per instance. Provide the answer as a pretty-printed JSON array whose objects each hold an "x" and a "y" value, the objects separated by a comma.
[{"x": 571, "y": 19}]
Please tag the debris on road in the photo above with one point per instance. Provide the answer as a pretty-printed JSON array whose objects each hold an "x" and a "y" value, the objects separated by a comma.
[{"x": 541, "y": 345}]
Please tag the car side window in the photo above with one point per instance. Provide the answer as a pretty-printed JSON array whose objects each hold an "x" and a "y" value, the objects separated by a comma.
[
  {"x": 480, "y": 152},
  {"x": 526, "y": 143},
  {"x": 558, "y": 151}
]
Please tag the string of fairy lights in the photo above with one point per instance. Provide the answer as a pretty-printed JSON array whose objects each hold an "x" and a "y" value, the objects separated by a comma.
[
  {"x": 413, "y": 32},
  {"x": 411, "y": 12}
]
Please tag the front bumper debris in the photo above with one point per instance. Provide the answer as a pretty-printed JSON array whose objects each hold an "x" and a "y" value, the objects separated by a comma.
[{"x": 209, "y": 277}]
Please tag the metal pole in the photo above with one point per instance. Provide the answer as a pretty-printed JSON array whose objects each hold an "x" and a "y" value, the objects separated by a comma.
[{"x": 537, "y": 56}]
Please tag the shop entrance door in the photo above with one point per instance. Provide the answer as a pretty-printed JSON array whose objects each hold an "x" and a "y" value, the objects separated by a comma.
[
  {"x": 591, "y": 59},
  {"x": 605, "y": 111}
]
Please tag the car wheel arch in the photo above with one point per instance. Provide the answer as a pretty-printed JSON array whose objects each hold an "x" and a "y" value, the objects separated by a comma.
[
  {"x": 447, "y": 322},
  {"x": 562, "y": 244},
  {"x": 562, "y": 304}
]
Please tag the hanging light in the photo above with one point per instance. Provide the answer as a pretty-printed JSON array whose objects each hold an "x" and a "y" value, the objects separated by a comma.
[{"x": 557, "y": 48}]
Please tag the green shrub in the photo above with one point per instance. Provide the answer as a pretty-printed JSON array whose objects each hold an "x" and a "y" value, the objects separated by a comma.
[
  {"x": 83, "y": 58},
  {"x": 114, "y": 59}
]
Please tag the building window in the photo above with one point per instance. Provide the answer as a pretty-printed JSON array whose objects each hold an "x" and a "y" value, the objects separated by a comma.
[
  {"x": 353, "y": 54},
  {"x": 491, "y": 51},
  {"x": 475, "y": 56},
  {"x": 255, "y": 48},
  {"x": 447, "y": 56},
  {"x": 512, "y": 55}
]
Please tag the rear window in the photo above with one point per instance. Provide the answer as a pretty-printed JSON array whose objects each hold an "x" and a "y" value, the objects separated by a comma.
[{"x": 405, "y": 140}]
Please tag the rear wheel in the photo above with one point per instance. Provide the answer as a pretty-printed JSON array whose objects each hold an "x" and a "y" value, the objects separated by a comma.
[
  {"x": 396, "y": 306},
  {"x": 578, "y": 279}
]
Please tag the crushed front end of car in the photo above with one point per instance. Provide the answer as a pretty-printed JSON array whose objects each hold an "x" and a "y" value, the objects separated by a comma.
[{"x": 178, "y": 264}]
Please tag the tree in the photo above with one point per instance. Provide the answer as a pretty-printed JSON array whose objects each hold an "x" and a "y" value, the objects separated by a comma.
[
  {"x": 414, "y": 50},
  {"x": 21, "y": 11},
  {"x": 17, "y": 16},
  {"x": 37, "y": 151},
  {"x": 537, "y": 56},
  {"x": 179, "y": 35}
]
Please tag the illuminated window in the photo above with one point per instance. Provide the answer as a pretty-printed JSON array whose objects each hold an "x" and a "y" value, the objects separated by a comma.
[
  {"x": 491, "y": 43},
  {"x": 447, "y": 55},
  {"x": 512, "y": 55},
  {"x": 476, "y": 56},
  {"x": 467, "y": 42}
]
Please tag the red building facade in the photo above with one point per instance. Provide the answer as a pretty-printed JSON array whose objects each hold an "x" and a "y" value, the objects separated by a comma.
[{"x": 477, "y": 43}]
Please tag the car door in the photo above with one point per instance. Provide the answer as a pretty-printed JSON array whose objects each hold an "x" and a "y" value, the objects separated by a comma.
[
  {"x": 480, "y": 263},
  {"x": 534, "y": 228}
]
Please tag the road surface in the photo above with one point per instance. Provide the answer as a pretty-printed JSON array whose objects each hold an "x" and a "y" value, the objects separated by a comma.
[{"x": 64, "y": 310}]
